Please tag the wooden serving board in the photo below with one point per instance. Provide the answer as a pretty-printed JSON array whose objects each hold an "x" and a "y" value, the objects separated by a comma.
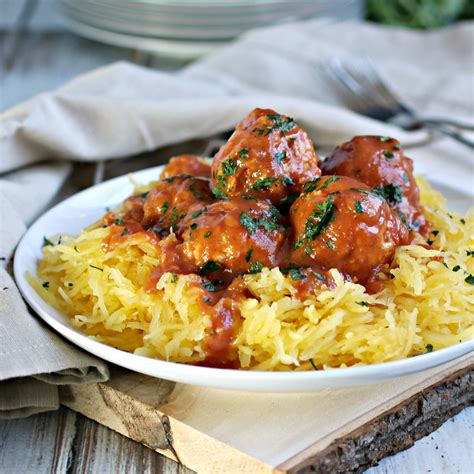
[{"x": 217, "y": 431}]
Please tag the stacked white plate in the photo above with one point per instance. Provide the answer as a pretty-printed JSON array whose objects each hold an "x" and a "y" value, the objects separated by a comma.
[{"x": 186, "y": 28}]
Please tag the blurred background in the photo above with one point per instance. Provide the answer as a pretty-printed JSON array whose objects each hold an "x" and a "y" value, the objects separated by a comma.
[{"x": 44, "y": 43}]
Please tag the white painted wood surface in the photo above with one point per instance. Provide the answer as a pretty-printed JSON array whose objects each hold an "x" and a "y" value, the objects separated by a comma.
[{"x": 66, "y": 442}]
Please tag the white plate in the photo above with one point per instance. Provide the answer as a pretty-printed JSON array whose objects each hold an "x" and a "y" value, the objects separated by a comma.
[{"x": 79, "y": 211}]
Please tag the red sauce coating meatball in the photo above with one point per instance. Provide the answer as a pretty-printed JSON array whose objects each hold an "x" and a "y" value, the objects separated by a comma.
[
  {"x": 340, "y": 223},
  {"x": 234, "y": 236},
  {"x": 186, "y": 164},
  {"x": 268, "y": 157},
  {"x": 170, "y": 200},
  {"x": 379, "y": 162}
]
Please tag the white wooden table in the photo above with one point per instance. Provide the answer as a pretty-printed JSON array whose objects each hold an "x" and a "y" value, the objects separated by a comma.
[{"x": 66, "y": 442}]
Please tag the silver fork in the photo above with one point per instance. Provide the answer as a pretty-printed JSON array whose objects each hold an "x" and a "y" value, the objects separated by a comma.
[{"x": 367, "y": 93}]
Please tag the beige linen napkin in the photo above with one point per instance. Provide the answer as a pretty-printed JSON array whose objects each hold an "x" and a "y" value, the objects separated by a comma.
[{"x": 122, "y": 109}]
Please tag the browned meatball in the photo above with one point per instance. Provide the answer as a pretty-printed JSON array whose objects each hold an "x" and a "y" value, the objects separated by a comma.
[
  {"x": 171, "y": 199},
  {"x": 340, "y": 223},
  {"x": 234, "y": 236},
  {"x": 268, "y": 157},
  {"x": 186, "y": 164},
  {"x": 380, "y": 163}
]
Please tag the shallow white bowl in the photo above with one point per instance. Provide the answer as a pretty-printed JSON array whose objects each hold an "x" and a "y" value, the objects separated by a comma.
[{"x": 80, "y": 210}]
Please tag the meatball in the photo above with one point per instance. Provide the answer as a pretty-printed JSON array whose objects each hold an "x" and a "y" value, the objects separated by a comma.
[
  {"x": 170, "y": 200},
  {"x": 340, "y": 223},
  {"x": 234, "y": 236},
  {"x": 187, "y": 164},
  {"x": 268, "y": 157},
  {"x": 380, "y": 163}
]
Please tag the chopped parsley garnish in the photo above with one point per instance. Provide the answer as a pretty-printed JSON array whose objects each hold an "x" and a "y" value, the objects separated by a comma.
[
  {"x": 207, "y": 285},
  {"x": 362, "y": 303},
  {"x": 456, "y": 268},
  {"x": 169, "y": 180},
  {"x": 221, "y": 180},
  {"x": 470, "y": 253},
  {"x": 46, "y": 242},
  {"x": 196, "y": 214},
  {"x": 174, "y": 215},
  {"x": 193, "y": 226},
  {"x": 263, "y": 183},
  {"x": 358, "y": 207},
  {"x": 279, "y": 157},
  {"x": 229, "y": 167},
  {"x": 125, "y": 231},
  {"x": 330, "y": 180},
  {"x": 329, "y": 244},
  {"x": 259, "y": 131},
  {"x": 243, "y": 152},
  {"x": 255, "y": 267},
  {"x": 165, "y": 207},
  {"x": 445, "y": 264},
  {"x": 393, "y": 194},
  {"x": 209, "y": 267},
  {"x": 268, "y": 223},
  {"x": 75, "y": 248},
  {"x": 70, "y": 284},
  {"x": 287, "y": 181},
  {"x": 324, "y": 214},
  {"x": 218, "y": 193},
  {"x": 384, "y": 138},
  {"x": 469, "y": 279},
  {"x": 315, "y": 367},
  {"x": 248, "y": 257},
  {"x": 174, "y": 277},
  {"x": 118, "y": 222},
  {"x": 403, "y": 219},
  {"x": 206, "y": 299},
  {"x": 46, "y": 284},
  {"x": 429, "y": 347},
  {"x": 430, "y": 242},
  {"x": 463, "y": 221},
  {"x": 283, "y": 126},
  {"x": 397, "y": 147},
  {"x": 369, "y": 193},
  {"x": 199, "y": 196},
  {"x": 406, "y": 178},
  {"x": 144, "y": 195},
  {"x": 388, "y": 155},
  {"x": 310, "y": 186},
  {"x": 97, "y": 268},
  {"x": 207, "y": 234},
  {"x": 435, "y": 232},
  {"x": 249, "y": 223},
  {"x": 294, "y": 273},
  {"x": 318, "y": 275}
]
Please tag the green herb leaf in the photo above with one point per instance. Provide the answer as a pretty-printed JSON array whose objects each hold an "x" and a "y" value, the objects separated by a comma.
[
  {"x": 287, "y": 181},
  {"x": 46, "y": 242},
  {"x": 45, "y": 284},
  {"x": 388, "y": 155},
  {"x": 118, "y": 222},
  {"x": 330, "y": 180},
  {"x": 279, "y": 157},
  {"x": 124, "y": 231},
  {"x": 193, "y": 226},
  {"x": 435, "y": 232},
  {"x": 429, "y": 347},
  {"x": 397, "y": 147},
  {"x": 329, "y": 244},
  {"x": 209, "y": 267},
  {"x": 207, "y": 285},
  {"x": 174, "y": 277},
  {"x": 144, "y": 195},
  {"x": 248, "y": 257},
  {"x": 469, "y": 279},
  {"x": 470, "y": 253},
  {"x": 196, "y": 214},
  {"x": 263, "y": 183},
  {"x": 393, "y": 194},
  {"x": 255, "y": 267},
  {"x": 165, "y": 207},
  {"x": 362, "y": 303},
  {"x": 229, "y": 167},
  {"x": 97, "y": 268},
  {"x": 318, "y": 275},
  {"x": 456, "y": 268},
  {"x": 249, "y": 223},
  {"x": 463, "y": 221},
  {"x": 243, "y": 152},
  {"x": 218, "y": 192},
  {"x": 384, "y": 138},
  {"x": 207, "y": 234},
  {"x": 358, "y": 208},
  {"x": 403, "y": 219}
]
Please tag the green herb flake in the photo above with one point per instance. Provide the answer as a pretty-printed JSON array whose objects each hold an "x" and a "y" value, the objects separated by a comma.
[
  {"x": 296, "y": 274},
  {"x": 362, "y": 303},
  {"x": 469, "y": 279},
  {"x": 196, "y": 214},
  {"x": 391, "y": 193},
  {"x": 207, "y": 285},
  {"x": 45, "y": 284},
  {"x": 193, "y": 226},
  {"x": 75, "y": 248},
  {"x": 169, "y": 180},
  {"x": 430, "y": 242},
  {"x": 388, "y": 155},
  {"x": 429, "y": 347},
  {"x": 209, "y": 267},
  {"x": 435, "y": 232},
  {"x": 403, "y": 219},
  {"x": 462, "y": 221},
  {"x": 456, "y": 268},
  {"x": 259, "y": 131},
  {"x": 124, "y": 231},
  {"x": 397, "y": 147},
  {"x": 70, "y": 285},
  {"x": 406, "y": 178},
  {"x": 243, "y": 153},
  {"x": 283, "y": 126},
  {"x": 174, "y": 277},
  {"x": 206, "y": 299},
  {"x": 229, "y": 167},
  {"x": 329, "y": 244},
  {"x": 118, "y": 222},
  {"x": 287, "y": 181},
  {"x": 263, "y": 183},
  {"x": 165, "y": 207},
  {"x": 144, "y": 195},
  {"x": 315, "y": 367},
  {"x": 207, "y": 234},
  {"x": 384, "y": 138},
  {"x": 255, "y": 267},
  {"x": 318, "y": 275},
  {"x": 358, "y": 208},
  {"x": 249, "y": 223},
  {"x": 248, "y": 257},
  {"x": 330, "y": 180},
  {"x": 218, "y": 192},
  {"x": 279, "y": 157},
  {"x": 470, "y": 253},
  {"x": 97, "y": 268}
]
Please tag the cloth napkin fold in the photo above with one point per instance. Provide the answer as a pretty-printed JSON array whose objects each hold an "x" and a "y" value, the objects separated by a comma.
[{"x": 122, "y": 109}]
